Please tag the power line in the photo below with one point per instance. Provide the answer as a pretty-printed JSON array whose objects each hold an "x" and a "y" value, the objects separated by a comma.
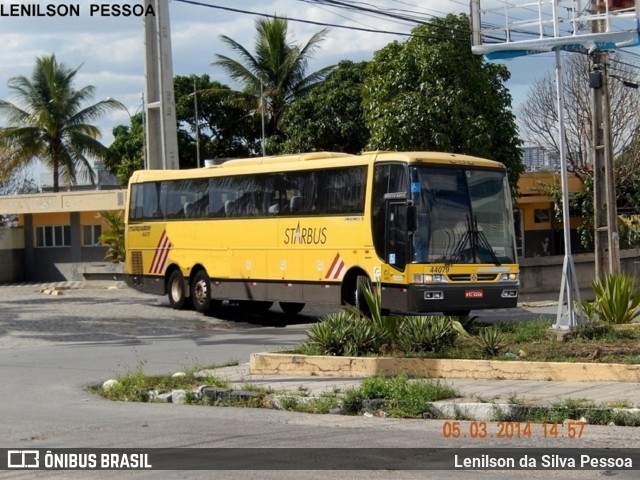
[
  {"x": 325, "y": 24},
  {"x": 300, "y": 20}
]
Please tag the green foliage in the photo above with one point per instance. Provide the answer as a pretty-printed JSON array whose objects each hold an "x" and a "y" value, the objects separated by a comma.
[
  {"x": 227, "y": 124},
  {"x": 403, "y": 397},
  {"x": 113, "y": 238},
  {"x": 629, "y": 230},
  {"x": 492, "y": 339},
  {"x": 125, "y": 155},
  {"x": 617, "y": 299},
  {"x": 428, "y": 333},
  {"x": 529, "y": 331},
  {"x": 579, "y": 201},
  {"x": 319, "y": 405},
  {"x": 593, "y": 330},
  {"x": 276, "y": 73},
  {"x": 344, "y": 333},
  {"x": 330, "y": 117},
  {"x": 385, "y": 326},
  {"x": 432, "y": 93},
  {"x": 136, "y": 387},
  {"x": 51, "y": 121}
]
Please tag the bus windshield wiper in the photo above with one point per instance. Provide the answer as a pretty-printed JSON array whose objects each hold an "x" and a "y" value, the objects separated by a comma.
[{"x": 475, "y": 238}]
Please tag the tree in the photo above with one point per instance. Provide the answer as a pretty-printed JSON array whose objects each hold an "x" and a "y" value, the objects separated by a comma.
[
  {"x": 539, "y": 116},
  {"x": 125, "y": 155},
  {"x": 330, "y": 117},
  {"x": 18, "y": 181},
  {"x": 50, "y": 122},
  {"x": 113, "y": 238},
  {"x": 539, "y": 113},
  {"x": 276, "y": 73},
  {"x": 226, "y": 127},
  {"x": 431, "y": 93}
]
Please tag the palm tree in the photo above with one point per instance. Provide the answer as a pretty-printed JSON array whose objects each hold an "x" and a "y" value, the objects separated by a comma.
[
  {"x": 51, "y": 122},
  {"x": 276, "y": 73}
]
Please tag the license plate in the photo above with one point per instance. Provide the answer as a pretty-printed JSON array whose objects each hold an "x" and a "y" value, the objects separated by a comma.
[{"x": 473, "y": 294}]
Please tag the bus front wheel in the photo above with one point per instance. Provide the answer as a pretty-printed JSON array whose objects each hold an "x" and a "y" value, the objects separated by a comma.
[
  {"x": 176, "y": 290},
  {"x": 291, "y": 308},
  {"x": 201, "y": 292}
]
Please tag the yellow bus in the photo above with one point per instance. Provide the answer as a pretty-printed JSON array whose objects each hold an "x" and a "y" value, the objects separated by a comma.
[{"x": 435, "y": 230}]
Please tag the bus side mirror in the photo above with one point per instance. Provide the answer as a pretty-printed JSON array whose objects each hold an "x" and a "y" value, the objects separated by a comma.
[{"x": 412, "y": 219}]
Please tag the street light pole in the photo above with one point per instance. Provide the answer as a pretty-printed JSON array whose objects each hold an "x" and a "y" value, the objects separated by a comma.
[
  {"x": 195, "y": 102},
  {"x": 264, "y": 154}
]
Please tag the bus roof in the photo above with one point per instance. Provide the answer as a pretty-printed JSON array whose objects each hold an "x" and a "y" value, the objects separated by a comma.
[
  {"x": 433, "y": 157},
  {"x": 316, "y": 159}
]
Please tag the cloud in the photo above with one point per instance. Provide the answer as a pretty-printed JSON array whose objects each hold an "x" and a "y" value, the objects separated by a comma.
[{"x": 111, "y": 49}]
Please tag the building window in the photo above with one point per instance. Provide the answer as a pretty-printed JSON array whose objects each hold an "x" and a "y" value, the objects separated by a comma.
[
  {"x": 541, "y": 215},
  {"x": 53, "y": 236},
  {"x": 91, "y": 235}
]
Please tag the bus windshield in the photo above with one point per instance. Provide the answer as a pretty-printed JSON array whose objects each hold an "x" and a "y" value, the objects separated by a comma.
[{"x": 464, "y": 215}]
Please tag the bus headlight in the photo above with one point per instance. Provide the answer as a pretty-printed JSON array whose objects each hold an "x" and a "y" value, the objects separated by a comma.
[
  {"x": 505, "y": 277},
  {"x": 428, "y": 278}
]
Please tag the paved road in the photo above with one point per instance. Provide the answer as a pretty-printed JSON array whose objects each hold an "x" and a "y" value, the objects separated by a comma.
[{"x": 52, "y": 347}]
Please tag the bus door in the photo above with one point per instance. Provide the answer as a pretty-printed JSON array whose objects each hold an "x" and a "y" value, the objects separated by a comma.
[{"x": 397, "y": 231}]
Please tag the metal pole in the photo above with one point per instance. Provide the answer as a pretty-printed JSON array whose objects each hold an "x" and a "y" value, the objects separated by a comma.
[
  {"x": 610, "y": 184},
  {"x": 144, "y": 136},
  {"x": 569, "y": 318},
  {"x": 264, "y": 153},
  {"x": 195, "y": 101}
]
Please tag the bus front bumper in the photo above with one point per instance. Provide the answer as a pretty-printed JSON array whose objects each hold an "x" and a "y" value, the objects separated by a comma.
[{"x": 450, "y": 297}]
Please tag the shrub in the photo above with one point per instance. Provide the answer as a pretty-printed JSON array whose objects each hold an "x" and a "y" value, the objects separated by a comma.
[
  {"x": 386, "y": 327},
  {"x": 428, "y": 333},
  {"x": 344, "y": 333},
  {"x": 492, "y": 339},
  {"x": 617, "y": 299}
]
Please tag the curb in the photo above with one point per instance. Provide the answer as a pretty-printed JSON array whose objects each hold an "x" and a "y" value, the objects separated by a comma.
[{"x": 307, "y": 365}]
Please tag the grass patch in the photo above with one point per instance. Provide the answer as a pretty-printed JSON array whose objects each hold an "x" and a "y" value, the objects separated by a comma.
[
  {"x": 140, "y": 387},
  {"x": 398, "y": 396},
  {"x": 394, "y": 396}
]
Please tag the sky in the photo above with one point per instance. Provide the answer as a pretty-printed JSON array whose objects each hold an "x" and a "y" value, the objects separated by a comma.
[{"x": 111, "y": 51}]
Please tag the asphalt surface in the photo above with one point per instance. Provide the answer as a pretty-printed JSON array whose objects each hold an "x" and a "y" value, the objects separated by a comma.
[{"x": 53, "y": 347}]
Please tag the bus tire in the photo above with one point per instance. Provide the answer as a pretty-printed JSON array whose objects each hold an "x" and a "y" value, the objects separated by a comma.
[
  {"x": 201, "y": 292},
  {"x": 291, "y": 308},
  {"x": 176, "y": 291},
  {"x": 458, "y": 313}
]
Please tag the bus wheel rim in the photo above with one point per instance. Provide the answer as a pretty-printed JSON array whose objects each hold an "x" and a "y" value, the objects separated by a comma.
[
  {"x": 176, "y": 290},
  {"x": 200, "y": 291}
]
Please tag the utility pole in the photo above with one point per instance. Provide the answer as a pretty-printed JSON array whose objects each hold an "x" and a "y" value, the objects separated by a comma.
[
  {"x": 607, "y": 255},
  {"x": 160, "y": 107}
]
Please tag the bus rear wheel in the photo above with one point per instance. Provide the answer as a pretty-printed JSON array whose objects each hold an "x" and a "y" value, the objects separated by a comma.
[
  {"x": 201, "y": 292},
  {"x": 291, "y": 308},
  {"x": 176, "y": 291}
]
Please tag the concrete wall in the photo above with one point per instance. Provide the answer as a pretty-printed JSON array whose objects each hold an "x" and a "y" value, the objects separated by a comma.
[
  {"x": 544, "y": 274},
  {"x": 11, "y": 255}
]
